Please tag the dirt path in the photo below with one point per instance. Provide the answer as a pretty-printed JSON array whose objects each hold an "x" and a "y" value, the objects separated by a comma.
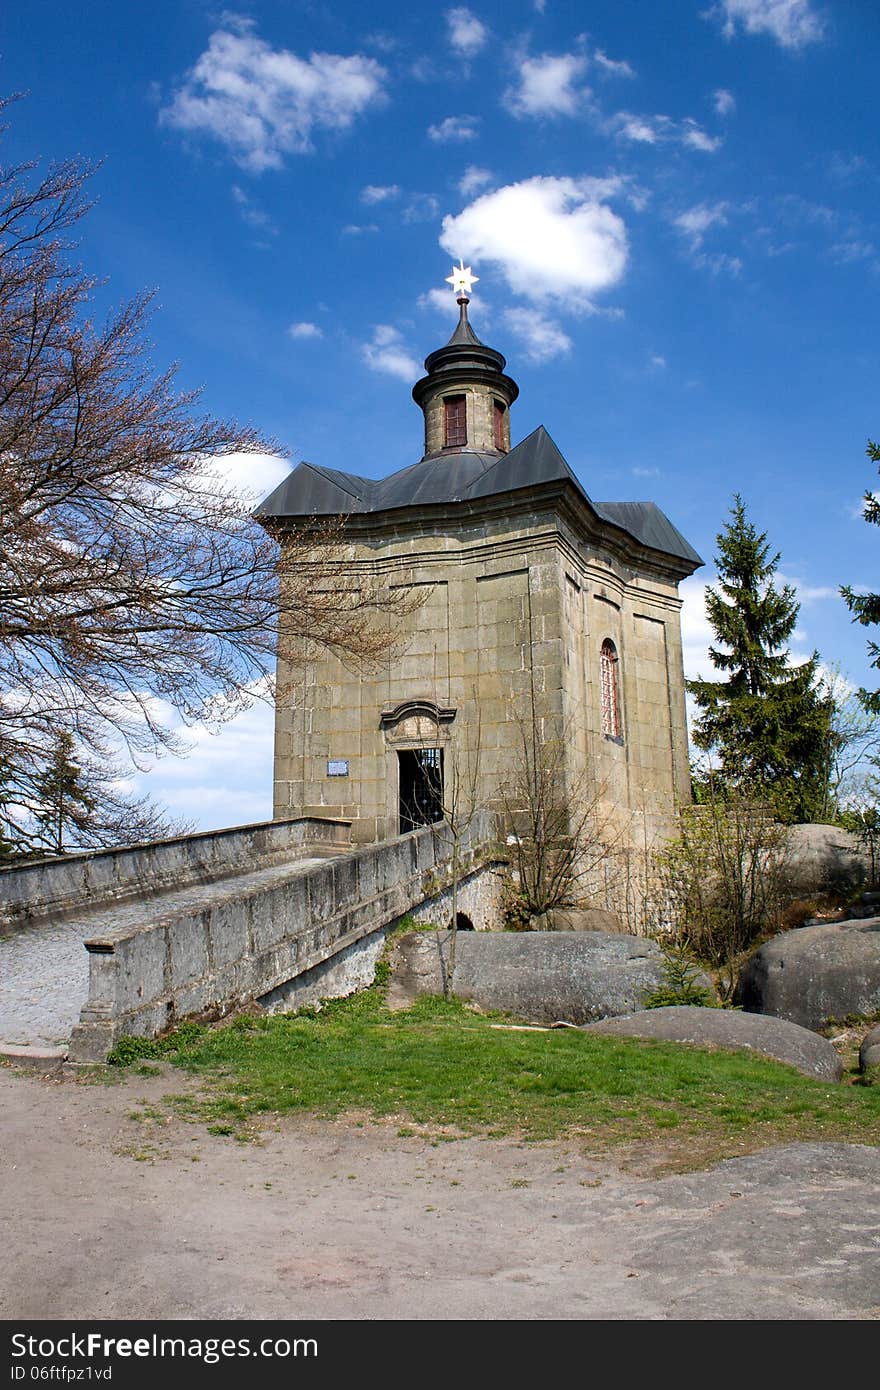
[{"x": 105, "y": 1215}]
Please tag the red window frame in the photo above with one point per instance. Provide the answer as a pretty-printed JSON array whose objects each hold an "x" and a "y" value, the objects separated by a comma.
[
  {"x": 454, "y": 421},
  {"x": 608, "y": 667}
]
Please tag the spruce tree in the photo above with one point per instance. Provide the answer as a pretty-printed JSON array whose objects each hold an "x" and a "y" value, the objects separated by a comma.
[
  {"x": 767, "y": 725},
  {"x": 7, "y": 848},
  {"x": 865, "y": 608},
  {"x": 62, "y": 798}
]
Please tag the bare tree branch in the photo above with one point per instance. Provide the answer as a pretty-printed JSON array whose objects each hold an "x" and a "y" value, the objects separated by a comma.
[{"x": 133, "y": 579}]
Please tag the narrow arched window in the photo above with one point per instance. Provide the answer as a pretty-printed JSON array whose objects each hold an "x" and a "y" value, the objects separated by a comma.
[
  {"x": 611, "y": 725},
  {"x": 498, "y": 415},
  {"x": 454, "y": 420}
]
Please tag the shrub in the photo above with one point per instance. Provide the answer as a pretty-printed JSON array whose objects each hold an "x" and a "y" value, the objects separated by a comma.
[{"x": 723, "y": 879}]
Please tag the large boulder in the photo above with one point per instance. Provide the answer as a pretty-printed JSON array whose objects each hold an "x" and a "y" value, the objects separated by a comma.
[
  {"x": 823, "y": 859},
  {"x": 815, "y": 973},
  {"x": 772, "y": 1037},
  {"x": 541, "y": 976},
  {"x": 577, "y": 919},
  {"x": 869, "y": 1052}
]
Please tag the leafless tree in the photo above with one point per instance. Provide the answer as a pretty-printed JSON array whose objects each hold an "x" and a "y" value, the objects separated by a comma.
[
  {"x": 560, "y": 831},
  {"x": 461, "y": 804},
  {"x": 853, "y": 744},
  {"x": 134, "y": 583}
]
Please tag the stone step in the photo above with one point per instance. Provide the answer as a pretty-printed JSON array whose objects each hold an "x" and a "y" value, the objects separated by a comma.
[{"x": 37, "y": 1058}]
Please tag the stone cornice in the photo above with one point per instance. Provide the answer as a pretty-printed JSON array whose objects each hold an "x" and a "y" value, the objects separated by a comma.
[{"x": 562, "y": 498}]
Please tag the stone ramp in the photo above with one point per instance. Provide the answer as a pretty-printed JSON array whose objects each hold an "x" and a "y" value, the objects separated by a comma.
[
  {"x": 44, "y": 982},
  {"x": 44, "y": 968},
  {"x": 132, "y": 941},
  {"x": 50, "y": 908}
]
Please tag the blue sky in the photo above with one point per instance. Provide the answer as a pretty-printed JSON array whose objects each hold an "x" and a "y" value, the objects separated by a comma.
[{"x": 672, "y": 210}]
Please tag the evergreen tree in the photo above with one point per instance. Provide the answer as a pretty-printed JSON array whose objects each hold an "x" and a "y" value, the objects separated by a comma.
[
  {"x": 62, "y": 798},
  {"x": 7, "y": 847},
  {"x": 81, "y": 804},
  {"x": 768, "y": 723},
  {"x": 865, "y": 608}
]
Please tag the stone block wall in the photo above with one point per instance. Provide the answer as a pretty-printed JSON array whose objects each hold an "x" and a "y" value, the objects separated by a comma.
[
  {"x": 479, "y": 405},
  {"x": 254, "y": 937},
  {"x": 517, "y": 605},
  {"x": 62, "y": 888}
]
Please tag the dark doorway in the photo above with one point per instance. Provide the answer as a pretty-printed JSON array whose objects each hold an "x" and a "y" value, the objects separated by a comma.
[{"x": 421, "y": 787}]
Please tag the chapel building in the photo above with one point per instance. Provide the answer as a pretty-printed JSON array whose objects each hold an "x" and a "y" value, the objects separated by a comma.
[{"x": 545, "y": 613}]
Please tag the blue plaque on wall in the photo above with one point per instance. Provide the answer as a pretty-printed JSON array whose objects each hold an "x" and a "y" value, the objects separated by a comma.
[{"x": 337, "y": 767}]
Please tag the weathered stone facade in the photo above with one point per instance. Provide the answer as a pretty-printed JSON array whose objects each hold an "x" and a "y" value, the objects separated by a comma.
[{"x": 525, "y": 582}]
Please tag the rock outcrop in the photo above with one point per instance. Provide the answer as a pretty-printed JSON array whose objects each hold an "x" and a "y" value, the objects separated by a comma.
[
  {"x": 815, "y": 973},
  {"x": 540, "y": 976},
  {"x": 727, "y": 1028}
]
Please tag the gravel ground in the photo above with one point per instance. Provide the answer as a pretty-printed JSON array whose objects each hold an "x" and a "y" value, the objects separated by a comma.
[{"x": 107, "y": 1215}]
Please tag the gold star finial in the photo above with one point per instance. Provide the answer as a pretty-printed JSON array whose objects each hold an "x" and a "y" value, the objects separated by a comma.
[{"x": 461, "y": 279}]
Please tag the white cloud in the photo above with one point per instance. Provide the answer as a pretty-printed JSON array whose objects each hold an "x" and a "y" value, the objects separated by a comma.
[
  {"x": 454, "y": 128},
  {"x": 696, "y": 138},
  {"x": 551, "y": 238},
  {"x": 473, "y": 179},
  {"x": 441, "y": 300},
  {"x": 251, "y": 476},
  {"x": 387, "y": 353},
  {"x": 444, "y": 302},
  {"x": 659, "y": 129},
  {"x": 793, "y": 23},
  {"x": 224, "y": 778},
  {"x": 643, "y": 130},
  {"x": 806, "y": 593},
  {"x": 795, "y": 209},
  {"x": 542, "y": 338},
  {"x": 658, "y": 363},
  {"x": 614, "y": 69},
  {"x": 305, "y": 330},
  {"x": 696, "y": 221},
  {"x": 846, "y": 252},
  {"x": 422, "y": 207},
  {"x": 253, "y": 215},
  {"x": 264, "y": 103},
  {"x": 847, "y": 166},
  {"x": 467, "y": 34},
  {"x": 725, "y": 102},
  {"x": 694, "y": 224},
  {"x": 379, "y": 192},
  {"x": 352, "y": 229},
  {"x": 696, "y": 630},
  {"x": 546, "y": 86},
  {"x": 646, "y": 472}
]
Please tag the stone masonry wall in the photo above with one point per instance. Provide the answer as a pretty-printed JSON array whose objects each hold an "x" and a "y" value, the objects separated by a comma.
[
  {"x": 517, "y": 606},
  {"x": 57, "y": 889},
  {"x": 246, "y": 938}
]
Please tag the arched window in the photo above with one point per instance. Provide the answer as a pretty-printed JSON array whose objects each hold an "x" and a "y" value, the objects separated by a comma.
[
  {"x": 498, "y": 420},
  {"x": 454, "y": 420},
  {"x": 611, "y": 725}
]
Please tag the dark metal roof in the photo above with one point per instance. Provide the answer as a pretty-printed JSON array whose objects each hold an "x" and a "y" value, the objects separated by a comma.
[
  {"x": 464, "y": 335},
  {"x": 465, "y": 353},
  {"x": 648, "y": 524},
  {"x": 461, "y": 477}
]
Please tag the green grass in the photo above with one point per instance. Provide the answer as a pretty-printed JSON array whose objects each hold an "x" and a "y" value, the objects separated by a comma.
[{"x": 442, "y": 1066}]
